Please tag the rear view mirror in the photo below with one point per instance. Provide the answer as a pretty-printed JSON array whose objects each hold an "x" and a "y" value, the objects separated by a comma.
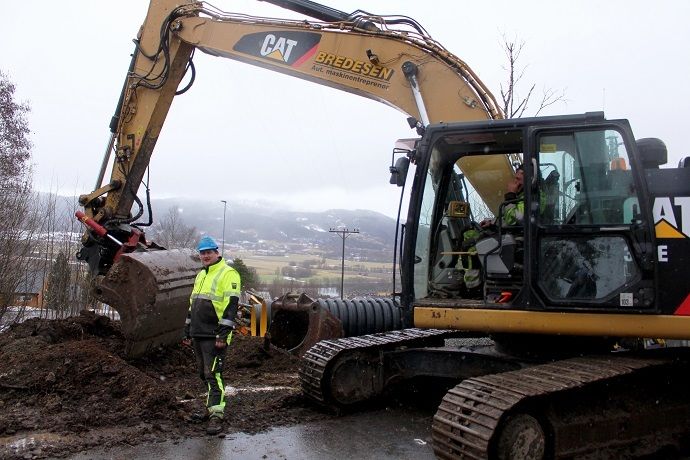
[{"x": 399, "y": 171}]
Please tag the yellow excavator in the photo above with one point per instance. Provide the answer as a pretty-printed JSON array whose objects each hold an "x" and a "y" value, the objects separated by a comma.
[
  {"x": 389, "y": 60},
  {"x": 547, "y": 357}
]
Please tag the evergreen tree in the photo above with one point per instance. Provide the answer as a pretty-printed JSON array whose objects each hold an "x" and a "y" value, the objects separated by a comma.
[
  {"x": 57, "y": 293},
  {"x": 87, "y": 297},
  {"x": 247, "y": 274}
]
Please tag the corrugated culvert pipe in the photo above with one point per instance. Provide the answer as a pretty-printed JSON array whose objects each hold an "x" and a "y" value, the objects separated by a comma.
[{"x": 298, "y": 321}]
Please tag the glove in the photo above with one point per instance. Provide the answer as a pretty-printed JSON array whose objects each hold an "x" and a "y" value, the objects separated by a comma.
[
  {"x": 187, "y": 326},
  {"x": 224, "y": 330},
  {"x": 225, "y": 327},
  {"x": 221, "y": 342}
]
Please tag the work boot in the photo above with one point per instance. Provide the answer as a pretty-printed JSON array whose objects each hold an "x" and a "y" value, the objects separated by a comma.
[
  {"x": 199, "y": 416},
  {"x": 215, "y": 425}
]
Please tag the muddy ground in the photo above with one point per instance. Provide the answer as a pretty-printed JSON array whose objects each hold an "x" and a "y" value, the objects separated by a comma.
[{"x": 64, "y": 388}]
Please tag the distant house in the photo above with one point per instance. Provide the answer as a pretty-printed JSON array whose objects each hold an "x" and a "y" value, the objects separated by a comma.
[{"x": 30, "y": 291}]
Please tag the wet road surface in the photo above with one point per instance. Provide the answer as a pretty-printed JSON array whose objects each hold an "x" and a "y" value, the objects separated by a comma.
[{"x": 381, "y": 434}]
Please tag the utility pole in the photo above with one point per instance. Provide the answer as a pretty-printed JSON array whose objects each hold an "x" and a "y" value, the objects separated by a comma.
[
  {"x": 222, "y": 251},
  {"x": 343, "y": 234}
]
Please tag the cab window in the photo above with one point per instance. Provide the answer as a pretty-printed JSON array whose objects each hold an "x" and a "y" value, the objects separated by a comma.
[{"x": 585, "y": 179}]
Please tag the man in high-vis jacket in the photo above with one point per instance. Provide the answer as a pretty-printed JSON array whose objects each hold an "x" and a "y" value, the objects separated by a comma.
[
  {"x": 514, "y": 211},
  {"x": 210, "y": 324}
]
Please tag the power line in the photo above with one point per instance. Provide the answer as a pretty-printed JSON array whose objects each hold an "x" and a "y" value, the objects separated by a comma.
[{"x": 344, "y": 233}]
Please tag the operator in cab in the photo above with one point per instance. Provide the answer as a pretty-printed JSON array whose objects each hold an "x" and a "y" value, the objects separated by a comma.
[
  {"x": 514, "y": 210},
  {"x": 513, "y": 214},
  {"x": 210, "y": 324}
]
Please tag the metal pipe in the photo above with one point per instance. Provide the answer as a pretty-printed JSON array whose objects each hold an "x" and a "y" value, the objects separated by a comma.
[
  {"x": 410, "y": 70},
  {"x": 312, "y": 9},
  {"x": 298, "y": 322},
  {"x": 106, "y": 160},
  {"x": 222, "y": 251},
  {"x": 114, "y": 121}
]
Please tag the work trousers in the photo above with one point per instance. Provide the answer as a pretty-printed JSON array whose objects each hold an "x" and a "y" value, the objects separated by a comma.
[{"x": 209, "y": 361}]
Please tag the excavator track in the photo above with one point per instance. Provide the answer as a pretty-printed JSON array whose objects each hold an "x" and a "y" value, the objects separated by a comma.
[
  {"x": 561, "y": 409},
  {"x": 319, "y": 369}
]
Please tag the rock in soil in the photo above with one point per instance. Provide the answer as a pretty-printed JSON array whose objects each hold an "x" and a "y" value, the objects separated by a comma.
[{"x": 65, "y": 387}]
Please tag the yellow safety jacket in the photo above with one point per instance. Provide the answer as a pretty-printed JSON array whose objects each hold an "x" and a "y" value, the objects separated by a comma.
[{"x": 213, "y": 303}]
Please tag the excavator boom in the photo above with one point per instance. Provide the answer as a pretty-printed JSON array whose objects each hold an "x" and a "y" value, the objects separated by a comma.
[{"x": 391, "y": 61}]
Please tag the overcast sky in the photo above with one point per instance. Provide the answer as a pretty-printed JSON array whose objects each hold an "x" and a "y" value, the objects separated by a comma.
[{"x": 243, "y": 133}]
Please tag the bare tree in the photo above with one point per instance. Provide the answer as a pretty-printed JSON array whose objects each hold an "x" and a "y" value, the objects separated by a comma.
[
  {"x": 172, "y": 232},
  {"x": 516, "y": 100},
  {"x": 19, "y": 220},
  {"x": 514, "y": 103}
]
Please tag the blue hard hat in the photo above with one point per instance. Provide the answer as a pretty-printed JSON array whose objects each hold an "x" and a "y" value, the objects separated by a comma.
[{"x": 206, "y": 243}]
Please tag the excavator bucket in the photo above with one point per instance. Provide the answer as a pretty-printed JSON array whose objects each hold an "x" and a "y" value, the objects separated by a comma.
[
  {"x": 299, "y": 322},
  {"x": 150, "y": 290}
]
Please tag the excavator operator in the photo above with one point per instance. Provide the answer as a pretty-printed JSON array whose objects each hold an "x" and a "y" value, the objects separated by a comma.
[
  {"x": 210, "y": 324},
  {"x": 514, "y": 211},
  {"x": 512, "y": 214}
]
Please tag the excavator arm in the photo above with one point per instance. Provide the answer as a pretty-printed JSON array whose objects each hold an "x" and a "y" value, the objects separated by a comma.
[{"x": 391, "y": 60}]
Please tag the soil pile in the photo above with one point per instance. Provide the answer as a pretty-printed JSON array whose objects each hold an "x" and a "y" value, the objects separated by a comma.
[{"x": 64, "y": 387}]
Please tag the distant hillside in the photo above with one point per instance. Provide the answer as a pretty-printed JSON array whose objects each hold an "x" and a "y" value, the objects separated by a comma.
[
  {"x": 271, "y": 228},
  {"x": 248, "y": 224}
]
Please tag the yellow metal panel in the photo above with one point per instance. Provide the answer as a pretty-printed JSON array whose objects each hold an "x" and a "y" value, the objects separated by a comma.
[
  {"x": 531, "y": 322},
  {"x": 264, "y": 319},
  {"x": 253, "y": 325}
]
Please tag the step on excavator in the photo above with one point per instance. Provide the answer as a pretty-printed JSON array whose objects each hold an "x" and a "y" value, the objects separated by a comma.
[{"x": 538, "y": 325}]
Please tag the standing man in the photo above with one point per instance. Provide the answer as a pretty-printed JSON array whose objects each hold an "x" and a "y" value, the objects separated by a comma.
[{"x": 210, "y": 323}]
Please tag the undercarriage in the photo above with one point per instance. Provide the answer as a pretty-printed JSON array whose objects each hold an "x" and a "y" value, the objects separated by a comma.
[{"x": 623, "y": 404}]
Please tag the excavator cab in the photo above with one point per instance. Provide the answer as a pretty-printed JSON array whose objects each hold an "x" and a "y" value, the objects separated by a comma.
[
  {"x": 569, "y": 293},
  {"x": 545, "y": 353},
  {"x": 586, "y": 243}
]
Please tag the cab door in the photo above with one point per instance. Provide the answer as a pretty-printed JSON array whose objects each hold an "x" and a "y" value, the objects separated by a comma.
[{"x": 590, "y": 229}]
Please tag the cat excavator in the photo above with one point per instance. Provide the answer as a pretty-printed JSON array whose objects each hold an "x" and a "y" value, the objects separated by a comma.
[
  {"x": 388, "y": 59},
  {"x": 536, "y": 327}
]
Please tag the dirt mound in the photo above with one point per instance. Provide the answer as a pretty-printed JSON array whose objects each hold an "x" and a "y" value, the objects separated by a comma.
[{"x": 64, "y": 387}]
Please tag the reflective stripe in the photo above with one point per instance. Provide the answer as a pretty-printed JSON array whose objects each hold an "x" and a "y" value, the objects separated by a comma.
[
  {"x": 227, "y": 322},
  {"x": 217, "y": 411},
  {"x": 514, "y": 213},
  {"x": 210, "y": 297},
  {"x": 214, "y": 283},
  {"x": 472, "y": 278},
  {"x": 188, "y": 321},
  {"x": 220, "y": 407},
  {"x": 217, "y": 284}
]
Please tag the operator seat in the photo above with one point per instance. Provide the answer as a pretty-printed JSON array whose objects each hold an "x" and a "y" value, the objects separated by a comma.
[
  {"x": 502, "y": 262},
  {"x": 549, "y": 194}
]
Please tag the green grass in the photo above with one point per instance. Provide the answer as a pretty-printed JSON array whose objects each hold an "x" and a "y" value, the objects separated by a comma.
[{"x": 266, "y": 267}]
